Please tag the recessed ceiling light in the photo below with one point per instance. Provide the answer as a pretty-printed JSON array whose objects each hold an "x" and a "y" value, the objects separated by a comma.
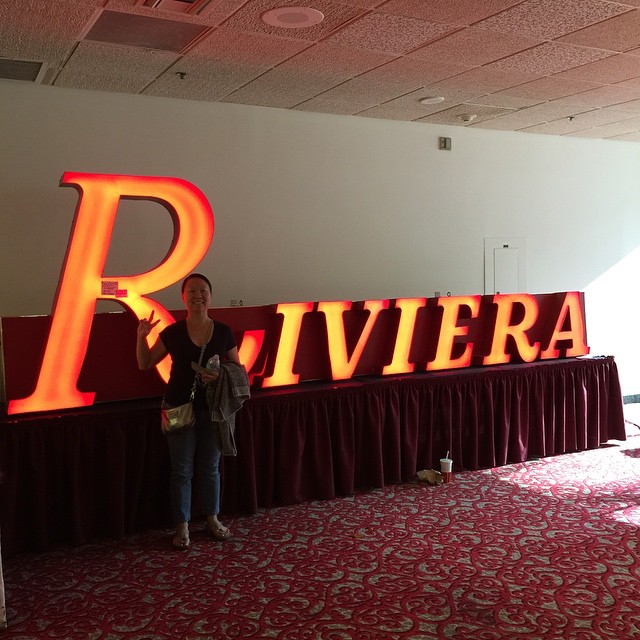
[
  {"x": 468, "y": 117},
  {"x": 432, "y": 100},
  {"x": 292, "y": 17}
]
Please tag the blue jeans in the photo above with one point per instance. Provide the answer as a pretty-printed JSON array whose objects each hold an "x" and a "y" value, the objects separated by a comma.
[{"x": 188, "y": 449}]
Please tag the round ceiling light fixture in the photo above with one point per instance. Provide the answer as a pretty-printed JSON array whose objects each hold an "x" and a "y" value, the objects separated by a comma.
[
  {"x": 468, "y": 117},
  {"x": 292, "y": 17},
  {"x": 432, "y": 100}
]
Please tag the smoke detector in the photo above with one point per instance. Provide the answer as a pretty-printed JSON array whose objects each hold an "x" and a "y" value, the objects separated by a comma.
[{"x": 432, "y": 100}]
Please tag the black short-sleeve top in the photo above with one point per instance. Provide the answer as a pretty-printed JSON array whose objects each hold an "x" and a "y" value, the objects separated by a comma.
[{"x": 183, "y": 351}]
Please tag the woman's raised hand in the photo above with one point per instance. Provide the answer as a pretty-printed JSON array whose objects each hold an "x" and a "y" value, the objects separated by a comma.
[{"x": 146, "y": 325}]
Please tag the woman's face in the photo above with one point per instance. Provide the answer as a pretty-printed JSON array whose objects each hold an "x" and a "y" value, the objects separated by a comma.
[{"x": 196, "y": 294}]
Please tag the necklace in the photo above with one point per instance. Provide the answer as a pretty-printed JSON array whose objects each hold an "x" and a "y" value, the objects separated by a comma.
[{"x": 202, "y": 334}]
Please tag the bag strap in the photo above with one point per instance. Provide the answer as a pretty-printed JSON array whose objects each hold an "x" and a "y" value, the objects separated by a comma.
[{"x": 195, "y": 377}]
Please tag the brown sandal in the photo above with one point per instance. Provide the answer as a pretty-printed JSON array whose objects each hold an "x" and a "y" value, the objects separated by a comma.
[
  {"x": 181, "y": 541},
  {"x": 218, "y": 531}
]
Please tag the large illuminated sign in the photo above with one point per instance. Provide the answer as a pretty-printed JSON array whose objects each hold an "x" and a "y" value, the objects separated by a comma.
[
  {"x": 83, "y": 282},
  {"x": 287, "y": 343}
]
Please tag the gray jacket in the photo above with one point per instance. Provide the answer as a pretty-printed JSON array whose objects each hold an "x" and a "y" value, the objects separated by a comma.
[{"x": 225, "y": 397}]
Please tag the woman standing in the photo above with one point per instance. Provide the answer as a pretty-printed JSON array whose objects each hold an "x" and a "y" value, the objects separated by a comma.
[{"x": 183, "y": 341}]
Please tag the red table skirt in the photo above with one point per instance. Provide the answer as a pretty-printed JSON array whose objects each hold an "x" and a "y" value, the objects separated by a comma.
[{"x": 73, "y": 477}]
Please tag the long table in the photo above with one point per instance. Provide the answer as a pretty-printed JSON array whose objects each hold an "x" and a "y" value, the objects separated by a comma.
[{"x": 77, "y": 476}]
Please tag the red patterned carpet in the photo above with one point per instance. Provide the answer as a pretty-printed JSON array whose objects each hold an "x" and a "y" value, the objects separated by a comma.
[{"x": 545, "y": 549}]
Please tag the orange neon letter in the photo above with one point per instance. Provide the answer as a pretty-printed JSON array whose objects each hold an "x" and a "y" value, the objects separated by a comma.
[
  {"x": 83, "y": 283},
  {"x": 571, "y": 311},
  {"x": 285, "y": 355},
  {"x": 450, "y": 329},
  {"x": 408, "y": 311},
  {"x": 342, "y": 367},
  {"x": 505, "y": 303},
  {"x": 250, "y": 346}
]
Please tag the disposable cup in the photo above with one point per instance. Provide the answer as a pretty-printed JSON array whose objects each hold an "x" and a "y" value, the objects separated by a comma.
[{"x": 446, "y": 464}]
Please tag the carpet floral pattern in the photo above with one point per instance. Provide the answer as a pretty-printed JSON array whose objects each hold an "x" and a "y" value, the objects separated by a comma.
[{"x": 544, "y": 549}]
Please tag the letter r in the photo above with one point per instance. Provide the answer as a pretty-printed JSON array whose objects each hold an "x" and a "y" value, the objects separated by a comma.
[{"x": 83, "y": 283}]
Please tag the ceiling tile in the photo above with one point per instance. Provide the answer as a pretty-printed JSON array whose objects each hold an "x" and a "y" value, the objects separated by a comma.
[
  {"x": 345, "y": 107},
  {"x": 217, "y": 12},
  {"x": 629, "y": 137},
  {"x": 617, "y": 34},
  {"x": 337, "y": 60},
  {"x": 553, "y": 110},
  {"x": 105, "y": 82},
  {"x": 556, "y": 128},
  {"x": 365, "y": 4},
  {"x": 410, "y": 73},
  {"x": 373, "y": 89},
  {"x": 549, "y": 58},
  {"x": 203, "y": 80},
  {"x": 408, "y": 107},
  {"x": 281, "y": 88},
  {"x": 537, "y": 91},
  {"x": 240, "y": 47},
  {"x": 460, "y": 12},
  {"x": 306, "y": 75},
  {"x": 456, "y": 115},
  {"x": 388, "y": 33},
  {"x": 502, "y": 99},
  {"x": 612, "y": 129},
  {"x": 481, "y": 80},
  {"x": 631, "y": 82},
  {"x": 501, "y": 124},
  {"x": 632, "y": 106},
  {"x": 42, "y": 31},
  {"x": 104, "y": 59},
  {"x": 107, "y": 68},
  {"x": 473, "y": 47},
  {"x": 601, "y": 96},
  {"x": 607, "y": 71},
  {"x": 581, "y": 122},
  {"x": 607, "y": 115},
  {"x": 550, "y": 19},
  {"x": 529, "y": 117},
  {"x": 222, "y": 63}
]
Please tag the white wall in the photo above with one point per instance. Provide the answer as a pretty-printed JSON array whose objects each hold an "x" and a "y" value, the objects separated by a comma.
[{"x": 311, "y": 206}]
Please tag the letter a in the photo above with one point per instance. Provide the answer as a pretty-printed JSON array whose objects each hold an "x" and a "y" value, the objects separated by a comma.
[
  {"x": 83, "y": 283},
  {"x": 571, "y": 313}
]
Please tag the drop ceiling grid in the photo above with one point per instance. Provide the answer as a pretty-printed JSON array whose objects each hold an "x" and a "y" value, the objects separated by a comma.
[{"x": 520, "y": 63}]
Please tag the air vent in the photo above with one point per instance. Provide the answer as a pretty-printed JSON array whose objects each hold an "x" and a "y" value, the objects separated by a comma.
[
  {"x": 195, "y": 7},
  {"x": 179, "y": 6},
  {"x": 114, "y": 27},
  {"x": 20, "y": 70}
]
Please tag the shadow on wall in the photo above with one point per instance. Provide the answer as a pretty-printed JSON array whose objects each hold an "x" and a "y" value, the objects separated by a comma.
[{"x": 612, "y": 307}]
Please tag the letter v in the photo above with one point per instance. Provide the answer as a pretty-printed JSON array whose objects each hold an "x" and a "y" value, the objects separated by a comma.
[{"x": 342, "y": 367}]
